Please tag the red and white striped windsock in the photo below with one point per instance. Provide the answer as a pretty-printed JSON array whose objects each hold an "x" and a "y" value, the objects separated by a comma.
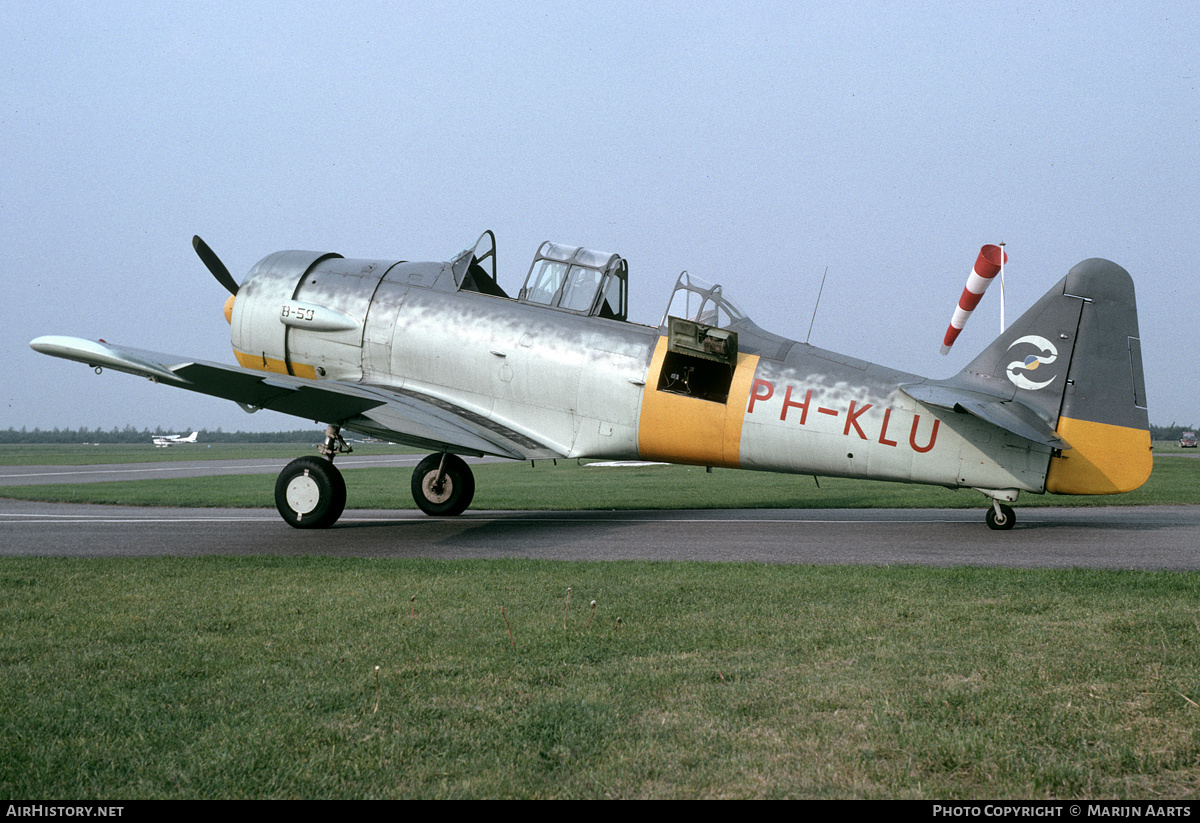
[{"x": 987, "y": 266}]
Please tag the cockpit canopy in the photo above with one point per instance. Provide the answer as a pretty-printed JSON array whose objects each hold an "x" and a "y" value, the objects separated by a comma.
[
  {"x": 701, "y": 302},
  {"x": 578, "y": 280},
  {"x": 593, "y": 283}
]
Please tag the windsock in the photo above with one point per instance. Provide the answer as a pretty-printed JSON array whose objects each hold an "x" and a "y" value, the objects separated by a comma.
[{"x": 987, "y": 265}]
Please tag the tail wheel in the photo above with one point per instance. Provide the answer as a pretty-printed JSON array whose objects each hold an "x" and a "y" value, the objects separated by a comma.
[
  {"x": 310, "y": 493},
  {"x": 442, "y": 485},
  {"x": 1001, "y": 520}
]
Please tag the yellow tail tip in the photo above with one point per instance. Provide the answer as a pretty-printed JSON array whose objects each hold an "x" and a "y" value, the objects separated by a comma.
[{"x": 1103, "y": 459}]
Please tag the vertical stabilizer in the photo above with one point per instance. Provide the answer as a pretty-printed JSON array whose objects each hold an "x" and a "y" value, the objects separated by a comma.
[{"x": 1103, "y": 416}]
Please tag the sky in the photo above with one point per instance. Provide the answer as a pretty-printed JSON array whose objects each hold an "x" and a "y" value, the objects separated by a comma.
[{"x": 757, "y": 145}]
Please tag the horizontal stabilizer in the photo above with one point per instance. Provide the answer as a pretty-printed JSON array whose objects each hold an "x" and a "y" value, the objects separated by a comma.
[{"x": 1005, "y": 413}]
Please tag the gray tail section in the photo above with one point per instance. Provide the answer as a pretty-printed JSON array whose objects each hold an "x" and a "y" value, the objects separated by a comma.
[{"x": 1067, "y": 374}]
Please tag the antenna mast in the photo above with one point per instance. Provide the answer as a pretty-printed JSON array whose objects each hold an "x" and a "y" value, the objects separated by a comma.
[{"x": 814, "y": 317}]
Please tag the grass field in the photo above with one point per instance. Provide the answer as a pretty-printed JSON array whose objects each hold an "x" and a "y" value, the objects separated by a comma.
[{"x": 235, "y": 678}]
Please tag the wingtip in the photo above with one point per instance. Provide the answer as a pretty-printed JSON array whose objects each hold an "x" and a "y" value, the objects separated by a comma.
[{"x": 49, "y": 343}]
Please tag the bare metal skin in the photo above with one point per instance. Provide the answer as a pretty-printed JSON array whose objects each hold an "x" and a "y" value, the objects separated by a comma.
[{"x": 438, "y": 356}]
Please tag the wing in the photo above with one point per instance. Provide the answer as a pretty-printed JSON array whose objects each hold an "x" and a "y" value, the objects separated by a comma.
[{"x": 401, "y": 415}]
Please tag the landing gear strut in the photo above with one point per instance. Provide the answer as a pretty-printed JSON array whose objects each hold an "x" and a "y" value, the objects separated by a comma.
[
  {"x": 442, "y": 485},
  {"x": 310, "y": 492}
]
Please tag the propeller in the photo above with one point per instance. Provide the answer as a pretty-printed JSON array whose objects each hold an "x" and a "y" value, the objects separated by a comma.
[{"x": 214, "y": 265}]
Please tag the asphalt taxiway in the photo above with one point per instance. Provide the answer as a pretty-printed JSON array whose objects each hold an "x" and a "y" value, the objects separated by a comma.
[
  {"x": 1117, "y": 537},
  {"x": 1143, "y": 537}
]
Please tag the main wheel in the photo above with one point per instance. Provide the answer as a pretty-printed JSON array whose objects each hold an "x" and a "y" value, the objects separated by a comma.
[
  {"x": 1003, "y": 521},
  {"x": 449, "y": 497},
  {"x": 310, "y": 493}
]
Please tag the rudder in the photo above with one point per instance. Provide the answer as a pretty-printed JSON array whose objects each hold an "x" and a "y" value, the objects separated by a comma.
[{"x": 1103, "y": 416}]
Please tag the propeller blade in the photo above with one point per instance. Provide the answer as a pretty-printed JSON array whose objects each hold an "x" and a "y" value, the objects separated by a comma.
[{"x": 214, "y": 265}]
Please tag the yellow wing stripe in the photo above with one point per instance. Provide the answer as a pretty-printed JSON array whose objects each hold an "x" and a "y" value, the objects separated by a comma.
[{"x": 679, "y": 429}]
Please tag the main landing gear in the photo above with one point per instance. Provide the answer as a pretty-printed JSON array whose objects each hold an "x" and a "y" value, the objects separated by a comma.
[
  {"x": 311, "y": 494},
  {"x": 442, "y": 485}
]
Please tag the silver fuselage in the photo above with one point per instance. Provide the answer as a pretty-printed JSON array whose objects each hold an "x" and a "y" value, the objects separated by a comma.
[{"x": 561, "y": 384}]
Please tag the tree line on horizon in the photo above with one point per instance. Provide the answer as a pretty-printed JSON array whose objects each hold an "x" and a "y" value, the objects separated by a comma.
[{"x": 1171, "y": 432}]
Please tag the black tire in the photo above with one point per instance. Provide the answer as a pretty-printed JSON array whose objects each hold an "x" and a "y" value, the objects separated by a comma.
[
  {"x": 1006, "y": 520},
  {"x": 457, "y": 489},
  {"x": 310, "y": 493}
]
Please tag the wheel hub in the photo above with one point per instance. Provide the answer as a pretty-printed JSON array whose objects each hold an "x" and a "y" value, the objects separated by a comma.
[
  {"x": 435, "y": 492},
  {"x": 303, "y": 493}
]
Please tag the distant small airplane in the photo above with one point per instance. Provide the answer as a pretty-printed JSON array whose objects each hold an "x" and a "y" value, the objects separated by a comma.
[
  {"x": 162, "y": 441},
  {"x": 438, "y": 356}
]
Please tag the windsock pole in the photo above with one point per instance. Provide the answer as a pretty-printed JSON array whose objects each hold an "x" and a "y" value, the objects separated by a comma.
[
  {"x": 987, "y": 266},
  {"x": 1002, "y": 257}
]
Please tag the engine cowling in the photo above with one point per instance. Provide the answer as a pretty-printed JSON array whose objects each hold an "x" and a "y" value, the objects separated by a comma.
[{"x": 303, "y": 313}]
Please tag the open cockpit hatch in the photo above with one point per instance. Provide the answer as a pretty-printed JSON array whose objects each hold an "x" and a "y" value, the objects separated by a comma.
[{"x": 701, "y": 355}]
